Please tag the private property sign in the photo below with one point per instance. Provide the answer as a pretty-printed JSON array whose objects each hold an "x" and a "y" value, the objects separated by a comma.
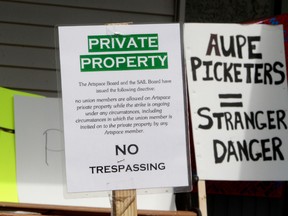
[
  {"x": 238, "y": 96},
  {"x": 123, "y": 61},
  {"x": 123, "y": 107}
]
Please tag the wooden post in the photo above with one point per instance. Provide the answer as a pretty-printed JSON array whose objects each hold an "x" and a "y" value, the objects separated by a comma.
[
  {"x": 124, "y": 203},
  {"x": 202, "y": 197}
]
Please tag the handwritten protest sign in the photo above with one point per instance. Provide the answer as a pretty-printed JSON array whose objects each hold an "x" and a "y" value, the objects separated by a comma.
[
  {"x": 123, "y": 107},
  {"x": 239, "y": 101}
]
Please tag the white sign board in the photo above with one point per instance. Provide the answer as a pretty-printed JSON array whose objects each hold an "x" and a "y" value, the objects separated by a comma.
[
  {"x": 123, "y": 107},
  {"x": 238, "y": 97},
  {"x": 37, "y": 121}
]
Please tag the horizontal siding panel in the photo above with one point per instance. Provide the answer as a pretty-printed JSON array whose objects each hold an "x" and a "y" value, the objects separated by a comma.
[
  {"x": 164, "y": 7},
  {"x": 39, "y": 92},
  {"x": 44, "y": 93},
  {"x": 27, "y": 39},
  {"x": 52, "y": 15},
  {"x": 28, "y": 79},
  {"x": 27, "y": 57},
  {"x": 26, "y": 35}
]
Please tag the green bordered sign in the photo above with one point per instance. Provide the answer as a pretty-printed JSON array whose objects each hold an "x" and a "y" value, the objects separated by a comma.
[
  {"x": 115, "y": 62},
  {"x": 118, "y": 42},
  {"x": 124, "y": 108},
  {"x": 127, "y": 59}
]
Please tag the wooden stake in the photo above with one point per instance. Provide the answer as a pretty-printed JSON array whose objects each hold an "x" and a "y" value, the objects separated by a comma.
[
  {"x": 124, "y": 203},
  {"x": 202, "y": 197}
]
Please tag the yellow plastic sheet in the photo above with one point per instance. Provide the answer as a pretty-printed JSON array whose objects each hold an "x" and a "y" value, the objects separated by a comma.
[
  {"x": 8, "y": 181},
  {"x": 8, "y": 184}
]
